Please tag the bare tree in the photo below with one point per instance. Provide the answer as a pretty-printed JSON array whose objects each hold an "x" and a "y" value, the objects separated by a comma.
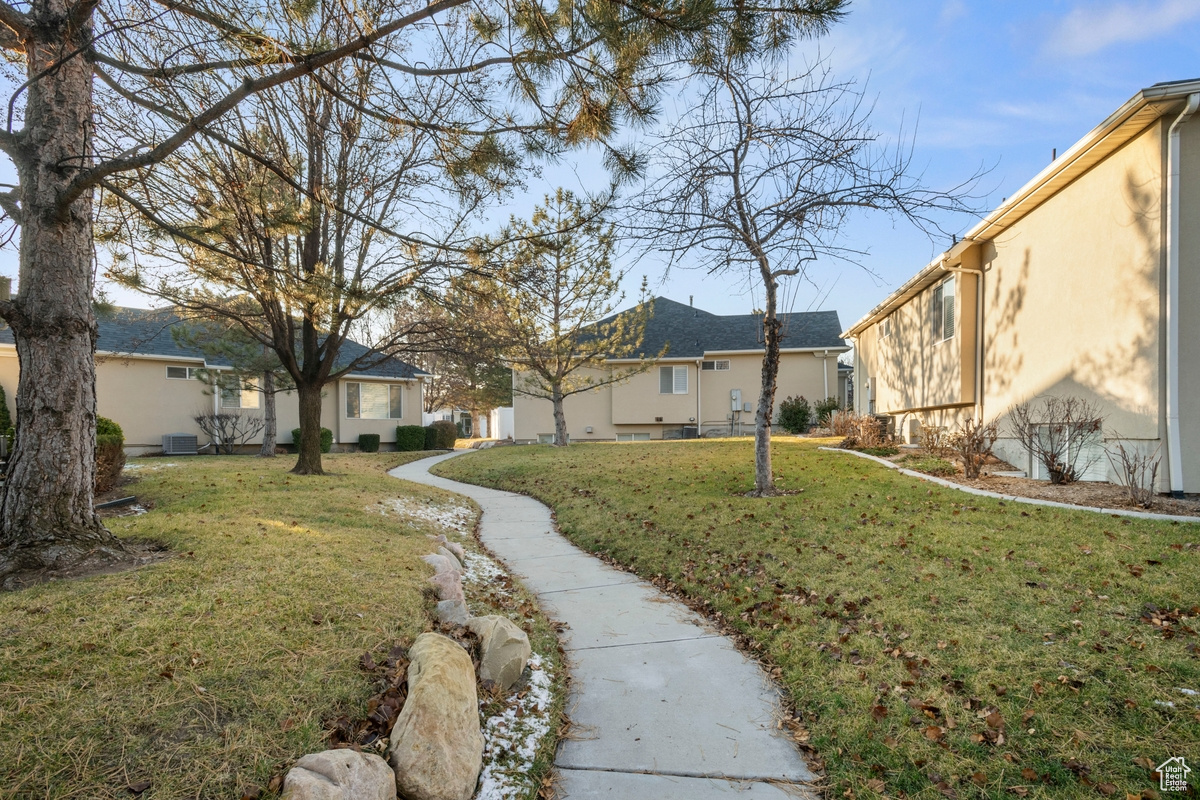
[
  {"x": 312, "y": 268},
  {"x": 229, "y": 430},
  {"x": 1063, "y": 434},
  {"x": 111, "y": 90},
  {"x": 760, "y": 176}
]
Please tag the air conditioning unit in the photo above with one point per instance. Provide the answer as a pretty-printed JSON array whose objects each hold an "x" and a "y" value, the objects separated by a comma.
[{"x": 180, "y": 444}]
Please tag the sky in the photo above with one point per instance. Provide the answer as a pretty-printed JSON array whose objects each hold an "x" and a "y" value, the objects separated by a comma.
[{"x": 989, "y": 84}]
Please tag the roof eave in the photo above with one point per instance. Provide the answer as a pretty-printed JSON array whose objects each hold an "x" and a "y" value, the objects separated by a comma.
[{"x": 1134, "y": 116}]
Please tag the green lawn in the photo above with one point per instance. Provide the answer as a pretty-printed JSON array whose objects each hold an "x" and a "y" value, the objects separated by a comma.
[
  {"x": 208, "y": 673},
  {"x": 936, "y": 644}
]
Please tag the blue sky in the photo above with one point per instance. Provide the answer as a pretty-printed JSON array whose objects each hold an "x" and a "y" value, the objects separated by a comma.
[{"x": 996, "y": 85}]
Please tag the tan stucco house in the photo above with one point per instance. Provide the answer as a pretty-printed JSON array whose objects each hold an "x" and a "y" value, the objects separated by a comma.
[
  {"x": 146, "y": 382},
  {"x": 1084, "y": 283},
  {"x": 707, "y": 383}
]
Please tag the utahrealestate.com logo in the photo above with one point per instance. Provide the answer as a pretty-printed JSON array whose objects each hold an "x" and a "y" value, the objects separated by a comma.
[{"x": 1172, "y": 775}]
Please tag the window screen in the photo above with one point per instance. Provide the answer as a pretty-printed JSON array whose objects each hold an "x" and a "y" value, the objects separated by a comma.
[
  {"x": 373, "y": 401},
  {"x": 673, "y": 380}
]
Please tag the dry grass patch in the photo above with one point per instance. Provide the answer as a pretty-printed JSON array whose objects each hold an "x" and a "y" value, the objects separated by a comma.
[
  {"x": 206, "y": 673},
  {"x": 935, "y": 643}
]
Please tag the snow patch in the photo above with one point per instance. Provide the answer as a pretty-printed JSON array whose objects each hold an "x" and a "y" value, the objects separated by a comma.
[
  {"x": 482, "y": 570},
  {"x": 457, "y": 519},
  {"x": 511, "y": 736}
]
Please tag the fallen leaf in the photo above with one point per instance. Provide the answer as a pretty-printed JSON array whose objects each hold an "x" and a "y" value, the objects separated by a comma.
[{"x": 138, "y": 788}]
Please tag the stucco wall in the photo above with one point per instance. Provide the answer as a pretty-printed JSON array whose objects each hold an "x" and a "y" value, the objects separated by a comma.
[
  {"x": 138, "y": 395},
  {"x": 1072, "y": 294},
  {"x": 633, "y": 406}
]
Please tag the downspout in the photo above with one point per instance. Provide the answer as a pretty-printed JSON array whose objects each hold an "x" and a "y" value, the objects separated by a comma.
[
  {"x": 978, "y": 273},
  {"x": 699, "y": 372},
  {"x": 1174, "y": 456},
  {"x": 824, "y": 371}
]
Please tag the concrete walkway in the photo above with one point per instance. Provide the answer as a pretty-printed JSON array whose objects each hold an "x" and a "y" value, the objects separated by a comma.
[{"x": 662, "y": 706}]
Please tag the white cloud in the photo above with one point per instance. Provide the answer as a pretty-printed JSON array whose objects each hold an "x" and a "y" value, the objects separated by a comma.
[{"x": 1092, "y": 27}]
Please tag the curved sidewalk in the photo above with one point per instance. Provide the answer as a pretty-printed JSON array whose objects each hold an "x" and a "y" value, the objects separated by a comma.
[{"x": 661, "y": 705}]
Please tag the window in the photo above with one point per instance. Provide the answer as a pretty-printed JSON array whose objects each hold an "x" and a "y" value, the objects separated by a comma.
[
  {"x": 548, "y": 438},
  {"x": 182, "y": 373},
  {"x": 673, "y": 380},
  {"x": 373, "y": 401},
  {"x": 943, "y": 310},
  {"x": 238, "y": 397},
  {"x": 720, "y": 366},
  {"x": 885, "y": 328},
  {"x": 633, "y": 437}
]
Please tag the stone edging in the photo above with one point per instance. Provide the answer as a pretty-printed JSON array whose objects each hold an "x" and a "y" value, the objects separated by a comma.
[{"x": 1033, "y": 501}]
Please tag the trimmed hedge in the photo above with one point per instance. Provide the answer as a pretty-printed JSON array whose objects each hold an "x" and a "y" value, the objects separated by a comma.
[
  {"x": 430, "y": 437},
  {"x": 446, "y": 435},
  {"x": 410, "y": 437},
  {"x": 326, "y": 439},
  {"x": 110, "y": 454},
  {"x": 368, "y": 442}
]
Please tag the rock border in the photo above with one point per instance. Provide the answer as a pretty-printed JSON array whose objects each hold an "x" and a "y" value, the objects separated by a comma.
[
  {"x": 1033, "y": 501},
  {"x": 504, "y": 654}
]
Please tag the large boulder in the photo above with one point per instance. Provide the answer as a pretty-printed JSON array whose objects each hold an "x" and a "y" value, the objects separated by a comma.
[
  {"x": 503, "y": 650},
  {"x": 340, "y": 775},
  {"x": 441, "y": 564},
  {"x": 448, "y": 585},
  {"x": 444, "y": 553},
  {"x": 453, "y": 611},
  {"x": 436, "y": 746}
]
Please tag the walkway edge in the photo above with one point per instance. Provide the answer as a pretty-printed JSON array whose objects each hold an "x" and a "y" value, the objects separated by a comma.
[{"x": 1033, "y": 501}]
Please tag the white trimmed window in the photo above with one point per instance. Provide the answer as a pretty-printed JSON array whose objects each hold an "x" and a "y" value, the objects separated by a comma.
[
  {"x": 673, "y": 380},
  {"x": 720, "y": 365},
  {"x": 239, "y": 397},
  {"x": 182, "y": 373},
  {"x": 885, "y": 327},
  {"x": 633, "y": 437},
  {"x": 943, "y": 310},
  {"x": 374, "y": 400}
]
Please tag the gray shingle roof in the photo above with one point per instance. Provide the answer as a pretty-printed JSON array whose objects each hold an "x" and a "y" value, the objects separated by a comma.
[
  {"x": 141, "y": 331},
  {"x": 689, "y": 332}
]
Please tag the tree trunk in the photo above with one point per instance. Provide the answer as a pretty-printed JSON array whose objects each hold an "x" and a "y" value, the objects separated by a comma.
[
  {"x": 477, "y": 425},
  {"x": 270, "y": 424},
  {"x": 560, "y": 419},
  {"x": 764, "y": 481},
  {"x": 46, "y": 518},
  {"x": 309, "y": 462}
]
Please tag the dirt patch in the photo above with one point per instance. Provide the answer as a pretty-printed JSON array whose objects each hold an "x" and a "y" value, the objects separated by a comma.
[
  {"x": 1098, "y": 494},
  {"x": 101, "y": 561}
]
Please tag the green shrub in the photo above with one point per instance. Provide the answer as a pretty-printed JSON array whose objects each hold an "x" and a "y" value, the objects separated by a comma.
[
  {"x": 326, "y": 439},
  {"x": 5, "y": 417},
  {"x": 447, "y": 433},
  {"x": 824, "y": 410},
  {"x": 430, "y": 437},
  {"x": 106, "y": 427},
  {"x": 368, "y": 442},
  {"x": 883, "y": 451},
  {"x": 410, "y": 437},
  {"x": 110, "y": 454},
  {"x": 795, "y": 415}
]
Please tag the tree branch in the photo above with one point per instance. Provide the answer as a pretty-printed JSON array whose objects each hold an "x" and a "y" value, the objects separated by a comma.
[{"x": 250, "y": 86}]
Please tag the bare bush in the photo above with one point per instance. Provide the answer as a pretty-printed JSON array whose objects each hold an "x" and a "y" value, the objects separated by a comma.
[
  {"x": 862, "y": 430},
  {"x": 229, "y": 430},
  {"x": 1136, "y": 472},
  {"x": 973, "y": 441},
  {"x": 843, "y": 422},
  {"x": 1061, "y": 433},
  {"x": 935, "y": 440}
]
